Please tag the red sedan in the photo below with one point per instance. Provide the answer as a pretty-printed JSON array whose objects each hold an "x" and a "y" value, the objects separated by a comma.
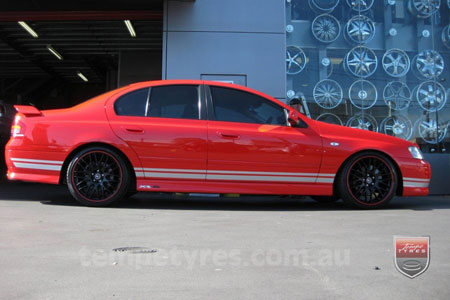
[{"x": 207, "y": 137}]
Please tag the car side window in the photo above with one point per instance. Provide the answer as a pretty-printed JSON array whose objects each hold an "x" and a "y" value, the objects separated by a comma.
[
  {"x": 232, "y": 105},
  {"x": 132, "y": 104},
  {"x": 174, "y": 101}
]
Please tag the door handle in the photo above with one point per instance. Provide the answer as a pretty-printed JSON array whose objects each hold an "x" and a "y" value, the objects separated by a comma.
[
  {"x": 228, "y": 135},
  {"x": 134, "y": 129}
]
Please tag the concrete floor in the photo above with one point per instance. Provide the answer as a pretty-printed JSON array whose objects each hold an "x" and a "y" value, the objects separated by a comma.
[{"x": 267, "y": 248}]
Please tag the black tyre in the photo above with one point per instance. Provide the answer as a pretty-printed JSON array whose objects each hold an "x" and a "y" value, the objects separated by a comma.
[
  {"x": 325, "y": 199},
  {"x": 368, "y": 180},
  {"x": 98, "y": 177}
]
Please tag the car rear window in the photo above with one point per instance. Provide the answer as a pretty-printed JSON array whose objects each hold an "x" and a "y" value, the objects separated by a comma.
[{"x": 132, "y": 104}]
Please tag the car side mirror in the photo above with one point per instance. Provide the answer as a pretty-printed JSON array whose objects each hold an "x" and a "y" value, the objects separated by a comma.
[
  {"x": 295, "y": 121},
  {"x": 293, "y": 118}
]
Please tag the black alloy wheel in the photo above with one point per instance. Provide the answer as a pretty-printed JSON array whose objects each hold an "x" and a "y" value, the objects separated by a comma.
[
  {"x": 98, "y": 177},
  {"x": 368, "y": 180}
]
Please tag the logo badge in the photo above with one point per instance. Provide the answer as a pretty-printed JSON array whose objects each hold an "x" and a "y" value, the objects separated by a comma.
[{"x": 412, "y": 255}]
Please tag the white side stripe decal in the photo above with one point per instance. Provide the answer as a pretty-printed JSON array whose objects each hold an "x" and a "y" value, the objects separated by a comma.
[
  {"x": 234, "y": 175},
  {"x": 175, "y": 175},
  {"x": 37, "y": 166},
  {"x": 173, "y": 170},
  {"x": 415, "y": 179},
  {"x": 415, "y": 184},
  {"x": 261, "y": 178},
  {"x": 269, "y": 173},
  {"x": 53, "y": 162}
]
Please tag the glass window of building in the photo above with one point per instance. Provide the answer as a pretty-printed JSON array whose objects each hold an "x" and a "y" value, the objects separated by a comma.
[{"x": 375, "y": 65}]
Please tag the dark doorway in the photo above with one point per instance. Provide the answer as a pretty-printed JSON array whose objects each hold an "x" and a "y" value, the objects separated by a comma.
[{"x": 79, "y": 51}]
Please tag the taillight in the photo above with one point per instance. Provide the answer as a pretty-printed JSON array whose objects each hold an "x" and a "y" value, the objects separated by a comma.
[{"x": 17, "y": 128}]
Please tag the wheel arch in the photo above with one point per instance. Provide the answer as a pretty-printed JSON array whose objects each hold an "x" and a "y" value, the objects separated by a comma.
[
  {"x": 399, "y": 190},
  {"x": 62, "y": 177}
]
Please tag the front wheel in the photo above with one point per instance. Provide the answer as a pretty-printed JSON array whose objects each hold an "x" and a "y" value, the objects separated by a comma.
[
  {"x": 98, "y": 177},
  {"x": 368, "y": 180}
]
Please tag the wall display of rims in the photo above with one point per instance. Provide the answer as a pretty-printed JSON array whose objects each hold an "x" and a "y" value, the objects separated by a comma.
[
  {"x": 327, "y": 93},
  {"x": 431, "y": 96},
  {"x": 386, "y": 71},
  {"x": 359, "y": 30},
  {"x": 445, "y": 36},
  {"x": 361, "y": 62},
  {"x": 365, "y": 122},
  {"x": 396, "y": 62},
  {"x": 429, "y": 64},
  {"x": 363, "y": 94},
  {"x": 430, "y": 130},
  {"x": 326, "y": 28},
  {"x": 360, "y": 5},
  {"x": 330, "y": 118},
  {"x": 295, "y": 60},
  {"x": 423, "y": 8},
  {"x": 397, "y": 95},
  {"x": 323, "y": 6},
  {"x": 398, "y": 126}
]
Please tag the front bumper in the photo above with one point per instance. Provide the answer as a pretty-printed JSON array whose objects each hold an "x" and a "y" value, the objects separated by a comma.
[{"x": 416, "y": 175}]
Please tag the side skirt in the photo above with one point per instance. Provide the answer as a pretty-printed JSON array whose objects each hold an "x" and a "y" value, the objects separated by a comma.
[{"x": 217, "y": 187}]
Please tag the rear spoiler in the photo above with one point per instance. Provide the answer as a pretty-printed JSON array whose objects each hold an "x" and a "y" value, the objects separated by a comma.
[{"x": 28, "y": 110}]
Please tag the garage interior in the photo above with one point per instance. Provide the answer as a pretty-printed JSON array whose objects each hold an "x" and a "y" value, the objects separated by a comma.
[{"x": 55, "y": 55}]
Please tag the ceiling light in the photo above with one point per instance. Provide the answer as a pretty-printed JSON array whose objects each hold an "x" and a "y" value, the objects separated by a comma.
[
  {"x": 130, "y": 28},
  {"x": 81, "y": 75},
  {"x": 54, "y": 52},
  {"x": 29, "y": 29}
]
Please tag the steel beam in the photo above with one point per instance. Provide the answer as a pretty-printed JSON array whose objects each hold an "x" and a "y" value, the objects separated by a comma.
[{"x": 12, "y": 16}]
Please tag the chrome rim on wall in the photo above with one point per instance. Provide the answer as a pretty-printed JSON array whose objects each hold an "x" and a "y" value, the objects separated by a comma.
[
  {"x": 366, "y": 122},
  {"x": 295, "y": 60},
  {"x": 360, "y": 5},
  {"x": 397, "y": 95},
  {"x": 359, "y": 30},
  {"x": 326, "y": 28},
  {"x": 396, "y": 63},
  {"x": 397, "y": 126},
  {"x": 327, "y": 93},
  {"x": 363, "y": 94},
  {"x": 361, "y": 62}
]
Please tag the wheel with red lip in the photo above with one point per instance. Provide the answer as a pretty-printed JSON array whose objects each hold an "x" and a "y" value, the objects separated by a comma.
[
  {"x": 98, "y": 177},
  {"x": 368, "y": 180}
]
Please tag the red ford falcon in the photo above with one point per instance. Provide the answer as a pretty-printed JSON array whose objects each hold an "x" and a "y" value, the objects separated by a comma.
[{"x": 207, "y": 137}]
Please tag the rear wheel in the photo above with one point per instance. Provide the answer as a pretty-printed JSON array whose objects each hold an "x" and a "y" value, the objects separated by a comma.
[
  {"x": 368, "y": 180},
  {"x": 98, "y": 177}
]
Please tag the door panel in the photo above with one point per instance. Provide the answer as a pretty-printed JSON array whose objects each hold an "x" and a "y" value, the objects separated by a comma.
[
  {"x": 269, "y": 153},
  {"x": 169, "y": 148},
  {"x": 249, "y": 140}
]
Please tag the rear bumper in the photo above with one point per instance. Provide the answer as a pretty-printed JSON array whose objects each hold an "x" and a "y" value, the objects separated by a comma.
[
  {"x": 34, "y": 166},
  {"x": 416, "y": 175}
]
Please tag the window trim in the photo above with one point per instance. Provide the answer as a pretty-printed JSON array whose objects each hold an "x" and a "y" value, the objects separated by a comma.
[
  {"x": 212, "y": 115},
  {"x": 147, "y": 103}
]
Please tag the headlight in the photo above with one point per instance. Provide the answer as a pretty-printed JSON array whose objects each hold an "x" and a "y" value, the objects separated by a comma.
[{"x": 415, "y": 152}]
